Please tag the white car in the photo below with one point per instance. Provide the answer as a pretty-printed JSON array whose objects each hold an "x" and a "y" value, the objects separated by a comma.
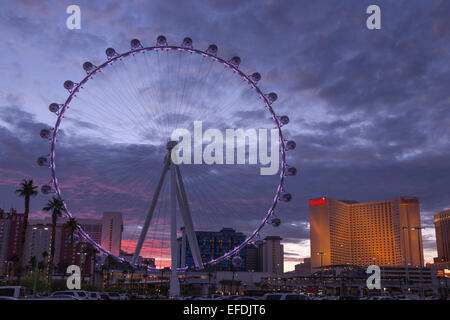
[
  {"x": 61, "y": 297},
  {"x": 285, "y": 296},
  {"x": 79, "y": 294},
  {"x": 94, "y": 296},
  {"x": 123, "y": 296},
  {"x": 17, "y": 292},
  {"x": 114, "y": 295}
]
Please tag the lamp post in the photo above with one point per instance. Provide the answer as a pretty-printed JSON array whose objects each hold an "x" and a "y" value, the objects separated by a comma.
[
  {"x": 418, "y": 241},
  {"x": 321, "y": 253},
  {"x": 404, "y": 243}
]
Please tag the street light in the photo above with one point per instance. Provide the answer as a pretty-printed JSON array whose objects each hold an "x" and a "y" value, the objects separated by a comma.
[
  {"x": 321, "y": 253},
  {"x": 418, "y": 241}
]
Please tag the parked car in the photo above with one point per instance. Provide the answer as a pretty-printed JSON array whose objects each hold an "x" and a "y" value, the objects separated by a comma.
[
  {"x": 94, "y": 296},
  {"x": 349, "y": 298},
  {"x": 285, "y": 296},
  {"x": 123, "y": 296},
  {"x": 8, "y": 298},
  {"x": 114, "y": 295},
  {"x": 246, "y": 298},
  {"x": 226, "y": 297},
  {"x": 17, "y": 292},
  {"x": 63, "y": 297},
  {"x": 104, "y": 296},
  {"x": 80, "y": 294}
]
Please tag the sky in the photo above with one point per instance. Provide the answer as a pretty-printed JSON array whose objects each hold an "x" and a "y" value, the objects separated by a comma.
[{"x": 368, "y": 109}]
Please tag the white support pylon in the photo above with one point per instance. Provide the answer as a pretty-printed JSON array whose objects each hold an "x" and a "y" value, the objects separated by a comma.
[
  {"x": 149, "y": 216},
  {"x": 177, "y": 194},
  {"x": 174, "y": 283},
  {"x": 187, "y": 220}
]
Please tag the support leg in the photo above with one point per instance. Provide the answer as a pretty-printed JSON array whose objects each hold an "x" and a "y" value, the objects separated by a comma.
[
  {"x": 174, "y": 283},
  {"x": 150, "y": 214},
  {"x": 187, "y": 219}
]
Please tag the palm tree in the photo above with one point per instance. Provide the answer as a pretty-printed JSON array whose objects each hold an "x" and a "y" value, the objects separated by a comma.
[
  {"x": 71, "y": 225},
  {"x": 27, "y": 190},
  {"x": 110, "y": 262},
  {"x": 13, "y": 259},
  {"x": 88, "y": 252},
  {"x": 56, "y": 207}
]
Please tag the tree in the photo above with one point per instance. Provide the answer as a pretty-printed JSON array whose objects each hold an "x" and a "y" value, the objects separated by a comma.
[
  {"x": 56, "y": 207},
  {"x": 88, "y": 252},
  {"x": 14, "y": 259},
  {"x": 71, "y": 225},
  {"x": 27, "y": 190},
  {"x": 110, "y": 262}
]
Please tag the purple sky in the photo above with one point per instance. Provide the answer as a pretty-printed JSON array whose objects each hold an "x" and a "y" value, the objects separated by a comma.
[{"x": 369, "y": 109}]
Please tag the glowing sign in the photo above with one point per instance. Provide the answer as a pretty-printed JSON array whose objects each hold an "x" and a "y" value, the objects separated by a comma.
[
  {"x": 443, "y": 273},
  {"x": 315, "y": 202}
]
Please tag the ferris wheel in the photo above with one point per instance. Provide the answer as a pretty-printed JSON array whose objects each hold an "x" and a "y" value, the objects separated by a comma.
[{"x": 113, "y": 134}]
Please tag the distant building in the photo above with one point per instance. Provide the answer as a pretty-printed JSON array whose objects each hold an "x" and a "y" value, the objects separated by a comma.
[
  {"x": 252, "y": 258},
  {"x": 442, "y": 227},
  {"x": 213, "y": 245},
  {"x": 10, "y": 236},
  {"x": 37, "y": 242},
  {"x": 305, "y": 267},
  {"x": 106, "y": 231},
  {"x": 382, "y": 232},
  {"x": 112, "y": 228},
  {"x": 272, "y": 255}
]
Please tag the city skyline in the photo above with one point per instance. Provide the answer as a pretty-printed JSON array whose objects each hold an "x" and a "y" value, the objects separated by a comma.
[{"x": 366, "y": 107}]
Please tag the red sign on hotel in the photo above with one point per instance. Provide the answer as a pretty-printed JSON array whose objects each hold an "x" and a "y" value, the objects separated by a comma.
[{"x": 320, "y": 201}]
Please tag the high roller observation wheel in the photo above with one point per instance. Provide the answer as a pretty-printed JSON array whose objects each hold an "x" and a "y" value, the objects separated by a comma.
[{"x": 233, "y": 64}]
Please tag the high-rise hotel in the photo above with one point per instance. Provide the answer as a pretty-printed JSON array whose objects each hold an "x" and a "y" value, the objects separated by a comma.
[
  {"x": 442, "y": 226},
  {"x": 381, "y": 233}
]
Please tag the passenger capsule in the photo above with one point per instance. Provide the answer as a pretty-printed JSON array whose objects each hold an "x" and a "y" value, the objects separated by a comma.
[
  {"x": 69, "y": 85},
  {"x": 291, "y": 171},
  {"x": 284, "y": 120},
  {"x": 161, "y": 41},
  {"x": 187, "y": 43},
  {"x": 135, "y": 44},
  {"x": 255, "y": 77},
  {"x": 110, "y": 53},
  {"x": 42, "y": 161},
  {"x": 286, "y": 197},
  {"x": 88, "y": 66},
  {"x": 275, "y": 222},
  {"x": 290, "y": 145},
  {"x": 46, "y": 189},
  {"x": 45, "y": 134},
  {"x": 272, "y": 97},
  {"x": 235, "y": 61},
  {"x": 53, "y": 107},
  {"x": 236, "y": 261},
  {"x": 212, "y": 49}
]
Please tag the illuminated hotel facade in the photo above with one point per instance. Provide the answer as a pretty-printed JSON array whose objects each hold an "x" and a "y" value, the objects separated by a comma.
[
  {"x": 442, "y": 227},
  {"x": 382, "y": 233}
]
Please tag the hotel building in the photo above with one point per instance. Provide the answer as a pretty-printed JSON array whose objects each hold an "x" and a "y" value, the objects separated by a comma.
[
  {"x": 381, "y": 233},
  {"x": 10, "y": 237},
  {"x": 106, "y": 231},
  {"x": 442, "y": 227},
  {"x": 213, "y": 245},
  {"x": 272, "y": 255}
]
